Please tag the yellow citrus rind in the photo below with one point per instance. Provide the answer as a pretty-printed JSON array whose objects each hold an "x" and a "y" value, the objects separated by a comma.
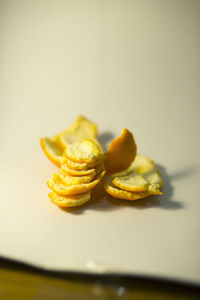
[
  {"x": 52, "y": 149},
  {"x": 121, "y": 153},
  {"x": 132, "y": 182},
  {"x": 145, "y": 167},
  {"x": 69, "y": 201},
  {"x": 73, "y": 172},
  {"x": 58, "y": 187},
  {"x": 86, "y": 151},
  {"x": 80, "y": 166},
  {"x": 122, "y": 194},
  {"x": 74, "y": 180},
  {"x": 81, "y": 129}
]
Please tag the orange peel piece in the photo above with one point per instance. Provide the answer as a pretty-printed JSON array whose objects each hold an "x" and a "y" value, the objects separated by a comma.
[
  {"x": 80, "y": 129},
  {"x": 58, "y": 187},
  {"x": 145, "y": 167},
  {"x": 122, "y": 194},
  {"x": 66, "y": 170},
  {"x": 86, "y": 151},
  {"x": 132, "y": 182},
  {"x": 74, "y": 180},
  {"x": 52, "y": 149},
  {"x": 142, "y": 166},
  {"x": 121, "y": 152},
  {"x": 69, "y": 201},
  {"x": 80, "y": 166}
]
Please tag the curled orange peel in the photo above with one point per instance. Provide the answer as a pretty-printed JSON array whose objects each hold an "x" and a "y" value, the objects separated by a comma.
[
  {"x": 52, "y": 149},
  {"x": 121, "y": 153},
  {"x": 80, "y": 129}
]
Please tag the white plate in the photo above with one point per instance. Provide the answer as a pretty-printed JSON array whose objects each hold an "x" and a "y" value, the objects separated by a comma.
[{"x": 123, "y": 64}]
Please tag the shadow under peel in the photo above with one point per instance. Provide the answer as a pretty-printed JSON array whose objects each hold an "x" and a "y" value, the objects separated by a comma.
[
  {"x": 168, "y": 191},
  {"x": 105, "y": 138}
]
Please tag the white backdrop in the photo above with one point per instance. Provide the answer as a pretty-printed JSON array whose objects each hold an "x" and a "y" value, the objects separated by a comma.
[{"x": 131, "y": 64}]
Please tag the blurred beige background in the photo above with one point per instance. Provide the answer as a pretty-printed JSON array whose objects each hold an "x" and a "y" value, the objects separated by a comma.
[{"x": 131, "y": 64}]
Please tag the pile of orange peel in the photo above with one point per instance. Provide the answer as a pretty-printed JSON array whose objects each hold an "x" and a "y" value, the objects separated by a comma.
[{"x": 83, "y": 163}]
